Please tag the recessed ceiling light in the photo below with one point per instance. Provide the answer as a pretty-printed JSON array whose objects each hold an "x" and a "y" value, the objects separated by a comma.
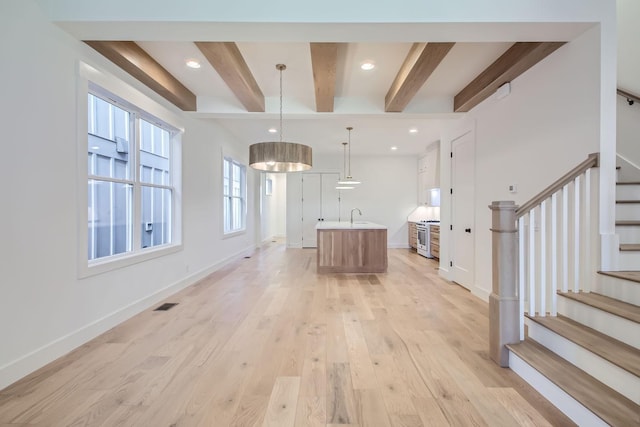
[
  {"x": 193, "y": 63},
  {"x": 413, "y": 130},
  {"x": 394, "y": 148},
  {"x": 95, "y": 147},
  {"x": 272, "y": 130},
  {"x": 368, "y": 65}
]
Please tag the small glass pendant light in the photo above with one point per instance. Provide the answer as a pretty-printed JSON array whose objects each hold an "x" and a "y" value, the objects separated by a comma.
[
  {"x": 348, "y": 180},
  {"x": 344, "y": 163}
]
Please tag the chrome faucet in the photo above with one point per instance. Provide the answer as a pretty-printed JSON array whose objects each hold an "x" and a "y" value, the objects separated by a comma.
[{"x": 355, "y": 209}]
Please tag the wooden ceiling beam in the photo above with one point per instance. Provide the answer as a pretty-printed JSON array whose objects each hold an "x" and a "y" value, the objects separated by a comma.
[
  {"x": 515, "y": 61},
  {"x": 226, "y": 58},
  {"x": 421, "y": 61},
  {"x": 135, "y": 61},
  {"x": 324, "y": 58}
]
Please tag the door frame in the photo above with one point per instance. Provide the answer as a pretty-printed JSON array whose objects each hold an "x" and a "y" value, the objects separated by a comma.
[
  {"x": 457, "y": 130},
  {"x": 472, "y": 267}
]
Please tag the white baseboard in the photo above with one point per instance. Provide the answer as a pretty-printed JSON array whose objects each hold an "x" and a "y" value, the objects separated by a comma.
[
  {"x": 480, "y": 293},
  {"x": 19, "y": 368},
  {"x": 398, "y": 246},
  {"x": 554, "y": 394}
]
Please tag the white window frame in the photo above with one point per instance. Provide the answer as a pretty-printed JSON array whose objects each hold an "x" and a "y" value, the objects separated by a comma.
[
  {"x": 242, "y": 197},
  {"x": 127, "y": 97}
]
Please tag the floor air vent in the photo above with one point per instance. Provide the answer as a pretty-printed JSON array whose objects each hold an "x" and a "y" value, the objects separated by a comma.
[{"x": 166, "y": 306}]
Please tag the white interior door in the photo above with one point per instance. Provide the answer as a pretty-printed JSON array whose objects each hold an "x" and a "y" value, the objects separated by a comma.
[
  {"x": 330, "y": 197},
  {"x": 463, "y": 209},
  {"x": 311, "y": 208},
  {"x": 320, "y": 202}
]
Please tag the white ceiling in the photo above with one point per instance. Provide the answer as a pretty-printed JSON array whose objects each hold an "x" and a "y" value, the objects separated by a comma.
[{"x": 359, "y": 100}]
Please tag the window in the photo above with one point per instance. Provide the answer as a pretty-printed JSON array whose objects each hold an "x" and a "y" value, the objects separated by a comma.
[
  {"x": 130, "y": 193},
  {"x": 234, "y": 193}
]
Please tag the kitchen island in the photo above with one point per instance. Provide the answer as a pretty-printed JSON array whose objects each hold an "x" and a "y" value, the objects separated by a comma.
[{"x": 345, "y": 247}]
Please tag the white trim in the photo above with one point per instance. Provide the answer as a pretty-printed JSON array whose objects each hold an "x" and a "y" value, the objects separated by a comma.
[
  {"x": 398, "y": 246},
  {"x": 244, "y": 198},
  {"x": 114, "y": 262},
  {"x": 231, "y": 234},
  {"x": 90, "y": 80},
  {"x": 130, "y": 94},
  {"x": 13, "y": 371},
  {"x": 483, "y": 294}
]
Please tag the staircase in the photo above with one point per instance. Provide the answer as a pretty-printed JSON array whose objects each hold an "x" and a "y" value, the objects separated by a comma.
[
  {"x": 628, "y": 224},
  {"x": 583, "y": 352}
]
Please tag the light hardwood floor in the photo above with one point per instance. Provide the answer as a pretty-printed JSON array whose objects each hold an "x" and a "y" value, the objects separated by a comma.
[{"x": 267, "y": 341}]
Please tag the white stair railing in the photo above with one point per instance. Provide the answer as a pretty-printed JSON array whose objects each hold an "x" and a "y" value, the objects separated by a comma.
[
  {"x": 553, "y": 237},
  {"x": 559, "y": 217}
]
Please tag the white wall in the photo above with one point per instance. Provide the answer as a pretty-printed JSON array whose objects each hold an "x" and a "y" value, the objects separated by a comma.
[
  {"x": 387, "y": 195},
  {"x": 274, "y": 215},
  {"x": 628, "y": 132},
  {"x": 548, "y": 124},
  {"x": 45, "y": 309}
]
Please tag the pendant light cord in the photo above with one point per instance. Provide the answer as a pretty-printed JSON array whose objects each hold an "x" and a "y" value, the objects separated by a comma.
[
  {"x": 344, "y": 162},
  {"x": 280, "y": 67},
  {"x": 349, "y": 129}
]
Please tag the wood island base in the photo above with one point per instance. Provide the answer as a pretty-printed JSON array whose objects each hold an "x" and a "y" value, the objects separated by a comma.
[{"x": 352, "y": 250}]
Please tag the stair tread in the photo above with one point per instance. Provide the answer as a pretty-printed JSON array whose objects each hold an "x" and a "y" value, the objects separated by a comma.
[
  {"x": 614, "y": 408},
  {"x": 628, "y": 222},
  {"x": 610, "y": 305},
  {"x": 620, "y": 354},
  {"x": 632, "y": 276},
  {"x": 628, "y": 183},
  {"x": 627, "y": 201},
  {"x": 630, "y": 246}
]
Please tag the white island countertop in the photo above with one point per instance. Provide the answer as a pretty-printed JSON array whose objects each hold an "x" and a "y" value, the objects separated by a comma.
[{"x": 346, "y": 225}]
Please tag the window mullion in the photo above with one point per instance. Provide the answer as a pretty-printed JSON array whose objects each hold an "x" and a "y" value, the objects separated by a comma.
[
  {"x": 91, "y": 218},
  {"x": 137, "y": 189}
]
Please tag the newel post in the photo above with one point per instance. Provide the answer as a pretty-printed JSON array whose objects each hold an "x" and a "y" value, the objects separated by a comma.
[{"x": 503, "y": 303}]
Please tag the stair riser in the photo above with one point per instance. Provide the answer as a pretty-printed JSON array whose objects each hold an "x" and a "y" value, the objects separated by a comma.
[
  {"x": 627, "y": 192},
  {"x": 629, "y": 260},
  {"x": 561, "y": 400},
  {"x": 628, "y": 234},
  {"x": 627, "y": 211},
  {"x": 604, "y": 371},
  {"x": 616, "y": 327},
  {"x": 620, "y": 289}
]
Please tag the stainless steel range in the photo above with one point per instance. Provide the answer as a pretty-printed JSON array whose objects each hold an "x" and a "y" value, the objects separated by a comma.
[{"x": 424, "y": 239}]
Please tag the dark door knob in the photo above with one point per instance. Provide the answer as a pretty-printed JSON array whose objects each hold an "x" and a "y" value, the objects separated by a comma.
[{"x": 467, "y": 230}]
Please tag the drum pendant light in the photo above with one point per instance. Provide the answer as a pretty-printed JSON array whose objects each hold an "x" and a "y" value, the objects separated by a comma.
[
  {"x": 280, "y": 156},
  {"x": 348, "y": 180}
]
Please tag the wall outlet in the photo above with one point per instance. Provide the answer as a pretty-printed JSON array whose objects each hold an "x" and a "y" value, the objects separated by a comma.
[{"x": 513, "y": 188}]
